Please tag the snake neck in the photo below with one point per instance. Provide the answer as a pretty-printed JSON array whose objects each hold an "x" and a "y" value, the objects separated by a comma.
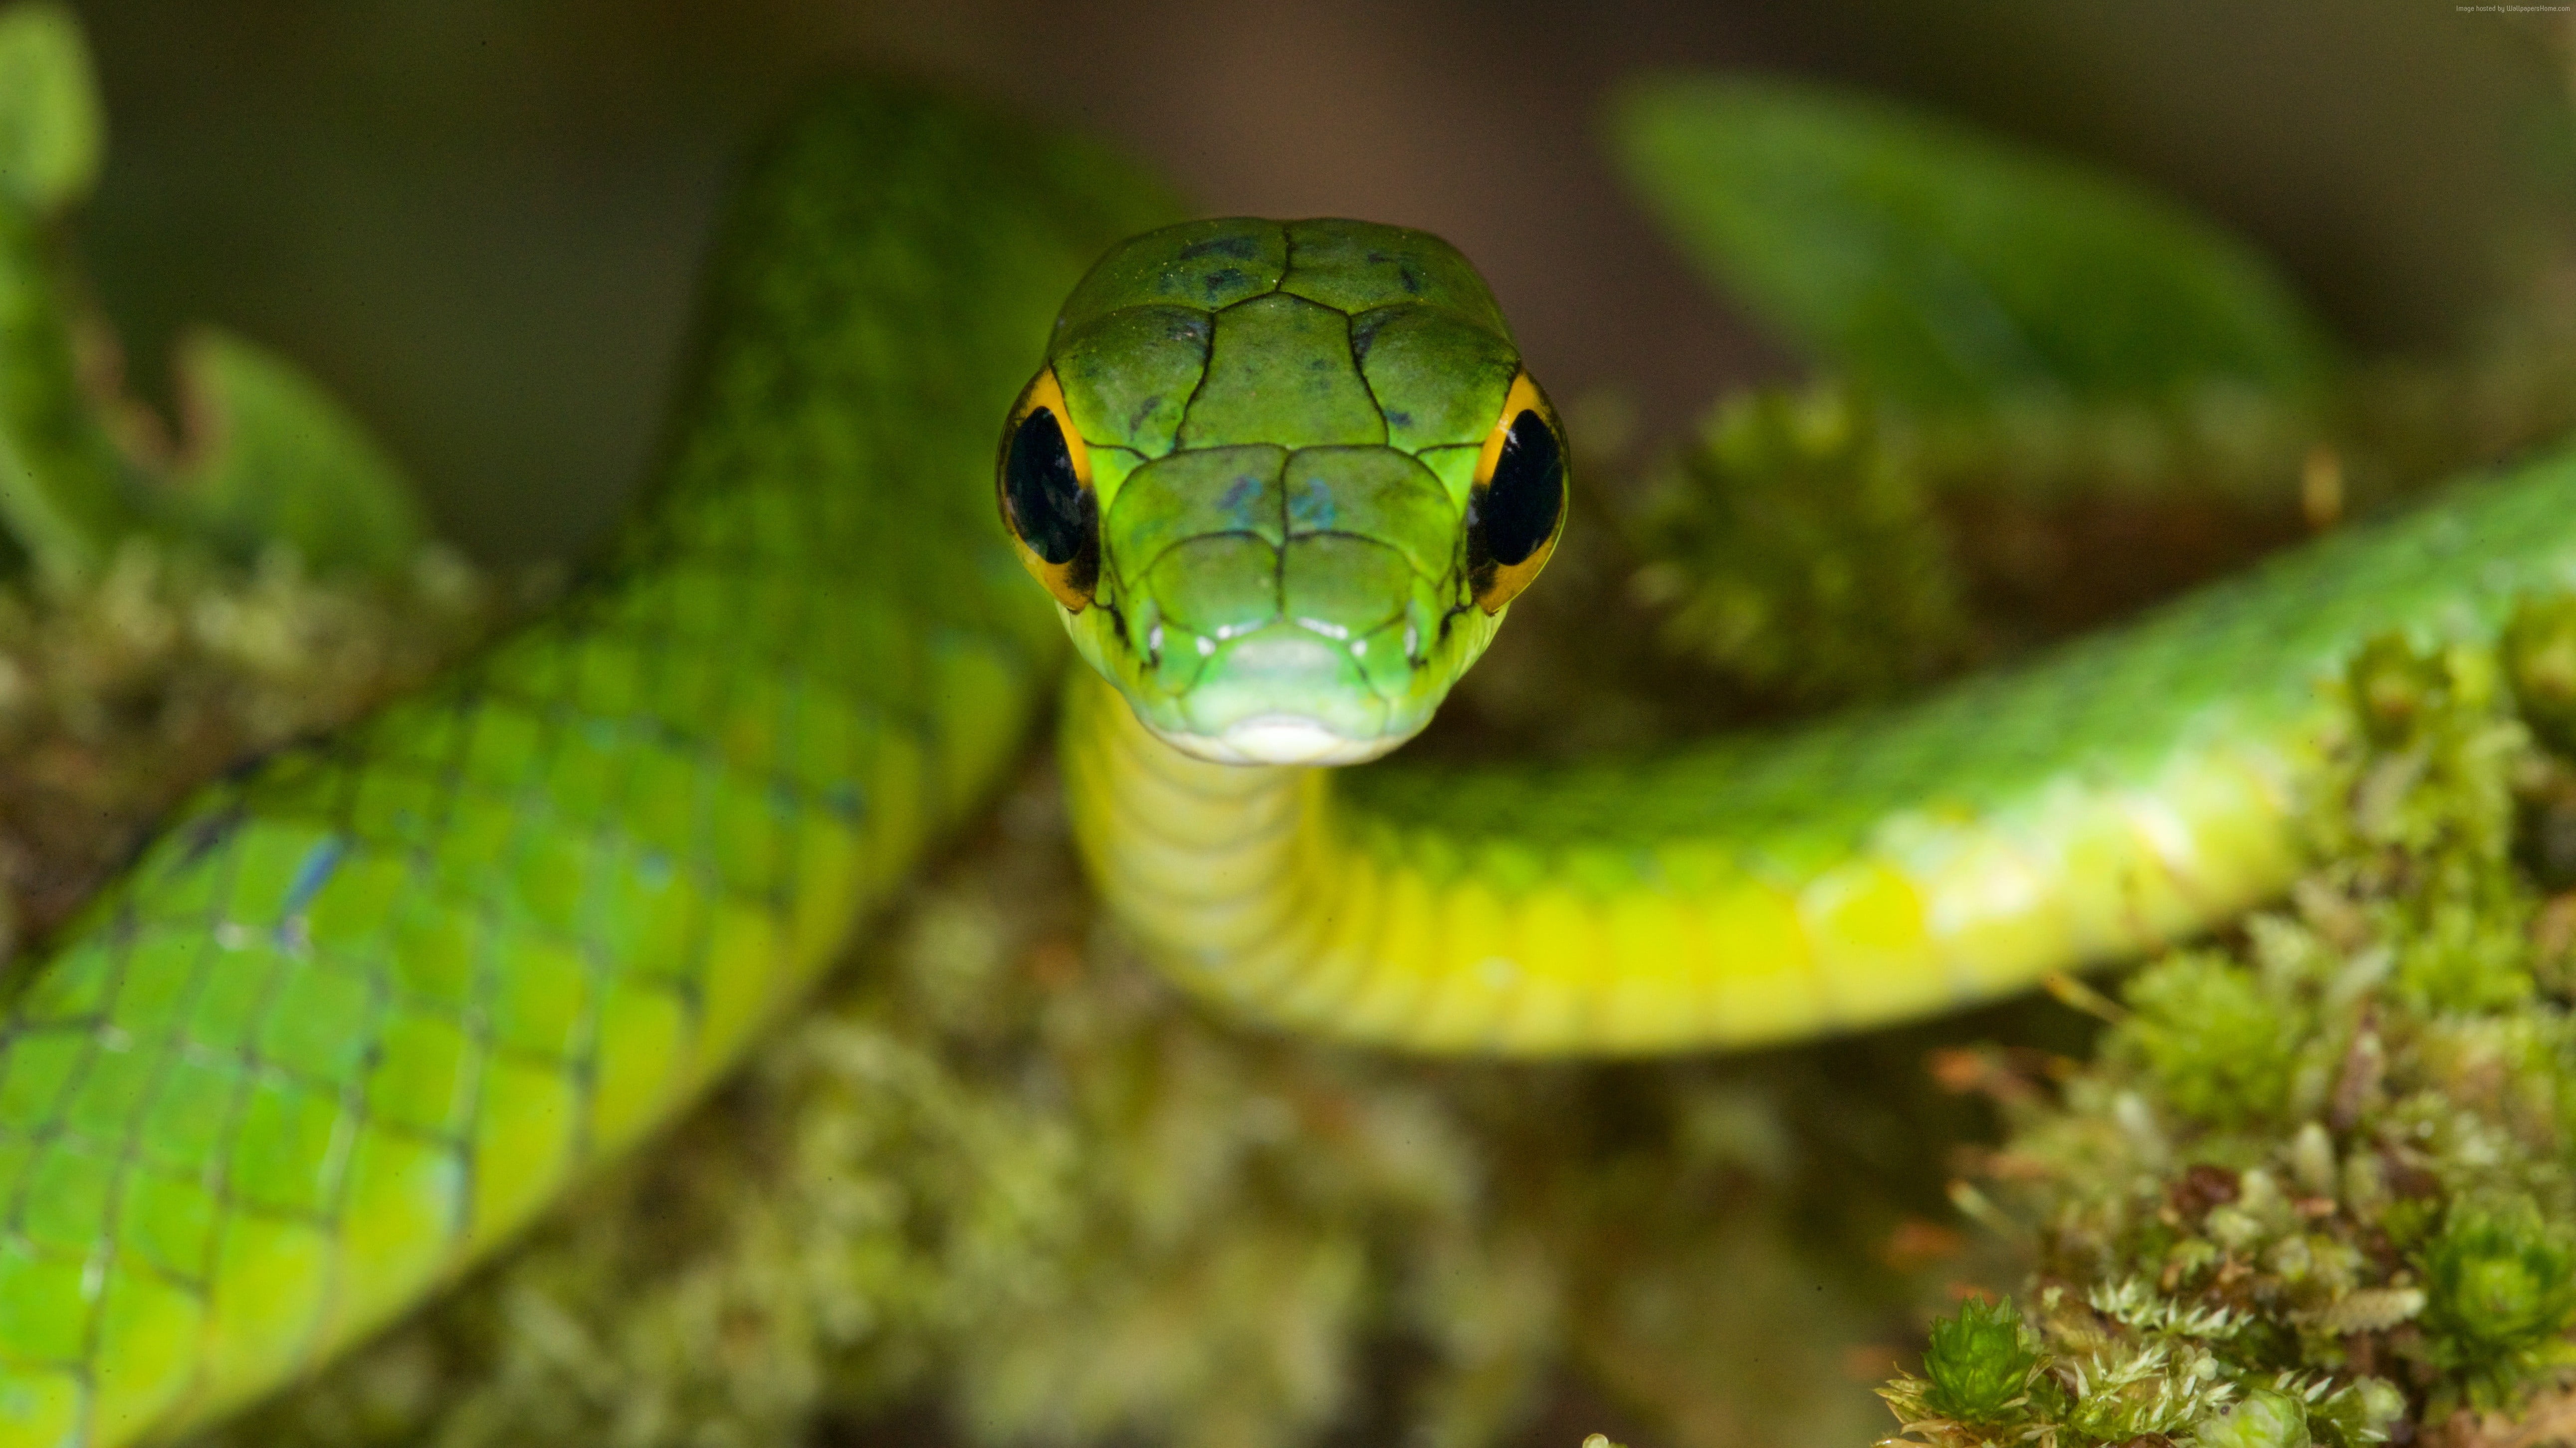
[
  {"x": 1426, "y": 919},
  {"x": 1201, "y": 859}
]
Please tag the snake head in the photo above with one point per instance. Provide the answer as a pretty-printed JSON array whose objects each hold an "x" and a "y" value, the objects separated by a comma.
[{"x": 1283, "y": 480}]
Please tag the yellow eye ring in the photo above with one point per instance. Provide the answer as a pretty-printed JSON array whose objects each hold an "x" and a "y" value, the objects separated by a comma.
[
  {"x": 1512, "y": 534},
  {"x": 1042, "y": 485}
]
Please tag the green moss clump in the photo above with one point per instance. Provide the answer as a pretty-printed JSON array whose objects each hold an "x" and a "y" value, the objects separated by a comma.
[
  {"x": 1983, "y": 1365},
  {"x": 2393, "y": 687},
  {"x": 2211, "y": 1040},
  {"x": 2540, "y": 660},
  {"x": 2261, "y": 1419},
  {"x": 2500, "y": 1295},
  {"x": 2314, "y": 1186},
  {"x": 1793, "y": 549}
]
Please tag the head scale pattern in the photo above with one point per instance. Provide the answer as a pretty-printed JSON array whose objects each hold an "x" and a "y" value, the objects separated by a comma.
[{"x": 1301, "y": 475}]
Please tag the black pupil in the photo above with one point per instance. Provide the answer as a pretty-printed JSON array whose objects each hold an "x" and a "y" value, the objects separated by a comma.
[
  {"x": 1046, "y": 498},
  {"x": 1526, "y": 493}
]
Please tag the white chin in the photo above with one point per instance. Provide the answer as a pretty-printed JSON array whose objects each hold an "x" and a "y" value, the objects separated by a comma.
[{"x": 1278, "y": 739}]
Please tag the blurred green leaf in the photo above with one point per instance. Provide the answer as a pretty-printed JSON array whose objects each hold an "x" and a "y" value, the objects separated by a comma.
[
  {"x": 1947, "y": 270},
  {"x": 51, "y": 127},
  {"x": 65, "y": 496},
  {"x": 272, "y": 457}
]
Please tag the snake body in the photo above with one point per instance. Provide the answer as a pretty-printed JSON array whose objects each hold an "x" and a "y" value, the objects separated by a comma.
[
  {"x": 361, "y": 1011},
  {"x": 2129, "y": 791}
]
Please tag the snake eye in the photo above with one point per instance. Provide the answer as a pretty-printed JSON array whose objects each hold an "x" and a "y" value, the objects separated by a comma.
[
  {"x": 1517, "y": 506},
  {"x": 1044, "y": 489}
]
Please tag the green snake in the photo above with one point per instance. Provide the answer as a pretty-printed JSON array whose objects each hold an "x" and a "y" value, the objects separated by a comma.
[{"x": 359, "y": 1012}]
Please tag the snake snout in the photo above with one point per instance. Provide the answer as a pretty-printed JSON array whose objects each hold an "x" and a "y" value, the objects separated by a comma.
[{"x": 1285, "y": 694}]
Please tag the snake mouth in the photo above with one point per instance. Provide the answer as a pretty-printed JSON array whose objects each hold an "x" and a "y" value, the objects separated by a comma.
[
  {"x": 1280, "y": 739},
  {"x": 1283, "y": 693}
]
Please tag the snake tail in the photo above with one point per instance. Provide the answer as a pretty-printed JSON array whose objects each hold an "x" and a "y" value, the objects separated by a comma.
[{"x": 357, "y": 1014}]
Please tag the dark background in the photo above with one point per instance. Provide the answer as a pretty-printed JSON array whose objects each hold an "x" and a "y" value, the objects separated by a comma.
[{"x": 478, "y": 219}]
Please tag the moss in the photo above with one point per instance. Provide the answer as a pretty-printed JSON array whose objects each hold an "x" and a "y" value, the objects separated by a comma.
[
  {"x": 2262, "y": 1418},
  {"x": 2393, "y": 688},
  {"x": 2540, "y": 660},
  {"x": 2210, "y": 1039},
  {"x": 2313, "y": 1186},
  {"x": 2500, "y": 1295},
  {"x": 1983, "y": 1365},
  {"x": 1792, "y": 548}
]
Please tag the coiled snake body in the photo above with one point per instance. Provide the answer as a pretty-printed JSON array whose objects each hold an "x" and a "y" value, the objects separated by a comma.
[{"x": 360, "y": 1012}]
